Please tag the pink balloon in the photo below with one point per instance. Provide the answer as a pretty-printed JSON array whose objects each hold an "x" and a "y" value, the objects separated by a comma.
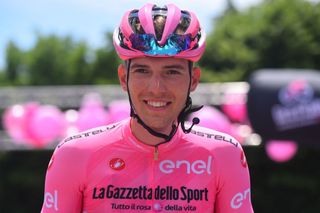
[
  {"x": 16, "y": 121},
  {"x": 46, "y": 125},
  {"x": 119, "y": 110},
  {"x": 234, "y": 106},
  {"x": 281, "y": 150},
  {"x": 241, "y": 131},
  {"x": 237, "y": 112},
  {"x": 92, "y": 113},
  {"x": 71, "y": 118},
  {"x": 212, "y": 118}
]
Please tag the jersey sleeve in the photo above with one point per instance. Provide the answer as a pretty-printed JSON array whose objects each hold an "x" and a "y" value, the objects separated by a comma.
[
  {"x": 233, "y": 181},
  {"x": 64, "y": 181}
]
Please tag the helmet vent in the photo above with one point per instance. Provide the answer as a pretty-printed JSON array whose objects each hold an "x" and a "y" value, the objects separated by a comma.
[
  {"x": 135, "y": 22},
  {"x": 184, "y": 23}
]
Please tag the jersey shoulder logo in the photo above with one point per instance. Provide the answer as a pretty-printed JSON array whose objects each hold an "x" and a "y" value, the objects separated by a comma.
[
  {"x": 117, "y": 164},
  {"x": 216, "y": 136},
  {"x": 87, "y": 134}
]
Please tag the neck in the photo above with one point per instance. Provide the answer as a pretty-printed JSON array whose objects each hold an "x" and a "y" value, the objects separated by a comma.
[{"x": 144, "y": 136}]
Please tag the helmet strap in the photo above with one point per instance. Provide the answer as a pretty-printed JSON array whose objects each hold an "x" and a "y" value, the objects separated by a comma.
[{"x": 188, "y": 109}]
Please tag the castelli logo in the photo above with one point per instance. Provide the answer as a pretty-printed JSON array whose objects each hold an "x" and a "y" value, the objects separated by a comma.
[{"x": 117, "y": 164}]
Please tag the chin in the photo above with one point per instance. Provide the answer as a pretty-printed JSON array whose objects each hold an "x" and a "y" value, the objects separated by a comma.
[{"x": 159, "y": 127}]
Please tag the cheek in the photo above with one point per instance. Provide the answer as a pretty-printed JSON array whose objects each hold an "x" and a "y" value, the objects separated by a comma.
[
  {"x": 181, "y": 92},
  {"x": 136, "y": 88},
  {"x": 181, "y": 86}
]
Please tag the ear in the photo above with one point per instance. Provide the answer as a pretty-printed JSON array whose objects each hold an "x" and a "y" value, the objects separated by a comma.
[
  {"x": 122, "y": 74},
  {"x": 195, "y": 78}
]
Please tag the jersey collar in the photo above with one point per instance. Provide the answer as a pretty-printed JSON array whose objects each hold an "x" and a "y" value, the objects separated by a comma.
[{"x": 133, "y": 141}]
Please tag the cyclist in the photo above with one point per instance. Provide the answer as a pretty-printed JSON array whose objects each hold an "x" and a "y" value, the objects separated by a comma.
[{"x": 153, "y": 161}]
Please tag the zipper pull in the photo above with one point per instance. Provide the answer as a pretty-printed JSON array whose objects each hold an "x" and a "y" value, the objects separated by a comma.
[{"x": 156, "y": 153}]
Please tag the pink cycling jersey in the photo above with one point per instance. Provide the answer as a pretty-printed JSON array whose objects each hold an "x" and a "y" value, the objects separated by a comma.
[{"x": 107, "y": 169}]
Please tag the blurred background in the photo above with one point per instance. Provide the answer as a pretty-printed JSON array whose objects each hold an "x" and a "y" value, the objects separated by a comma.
[{"x": 260, "y": 83}]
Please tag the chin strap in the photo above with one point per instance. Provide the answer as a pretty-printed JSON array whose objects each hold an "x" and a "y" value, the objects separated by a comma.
[{"x": 181, "y": 118}]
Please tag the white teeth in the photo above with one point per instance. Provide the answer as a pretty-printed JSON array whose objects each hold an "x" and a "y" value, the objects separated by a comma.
[{"x": 157, "y": 103}]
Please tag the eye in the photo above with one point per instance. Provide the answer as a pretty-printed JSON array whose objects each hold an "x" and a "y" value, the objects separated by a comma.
[
  {"x": 141, "y": 71},
  {"x": 173, "y": 72}
]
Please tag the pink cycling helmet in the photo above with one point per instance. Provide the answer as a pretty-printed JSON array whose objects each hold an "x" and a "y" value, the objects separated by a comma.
[{"x": 180, "y": 37}]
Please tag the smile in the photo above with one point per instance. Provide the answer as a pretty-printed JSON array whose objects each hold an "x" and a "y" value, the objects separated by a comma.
[{"x": 157, "y": 104}]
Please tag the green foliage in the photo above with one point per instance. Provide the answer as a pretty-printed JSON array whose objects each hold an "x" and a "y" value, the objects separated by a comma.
[
  {"x": 106, "y": 64},
  {"x": 60, "y": 61},
  {"x": 48, "y": 61},
  {"x": 274, "y": 34},
  {"x": 14, "y": 57},
  {"x": 3, "y": 78},
  {"x": 208, "y": 76},
  {"x": 79, "y": 65}
]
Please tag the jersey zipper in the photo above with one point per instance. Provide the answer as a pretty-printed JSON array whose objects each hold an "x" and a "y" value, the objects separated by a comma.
[
  {"x": 156, "y": 153},
  {"x": 154, "y": 163}
]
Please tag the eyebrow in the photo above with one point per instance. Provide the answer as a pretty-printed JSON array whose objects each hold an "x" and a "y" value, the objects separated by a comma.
[
  {"x": 139, "y": 66},
  {"x": 173, "y": 66}
]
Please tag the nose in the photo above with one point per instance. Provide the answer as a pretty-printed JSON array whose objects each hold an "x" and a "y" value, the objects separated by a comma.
[{"x": 157, "y": 84}]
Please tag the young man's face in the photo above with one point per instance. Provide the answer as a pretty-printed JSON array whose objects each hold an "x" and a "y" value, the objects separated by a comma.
[{"x": 159, "y": 89}]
